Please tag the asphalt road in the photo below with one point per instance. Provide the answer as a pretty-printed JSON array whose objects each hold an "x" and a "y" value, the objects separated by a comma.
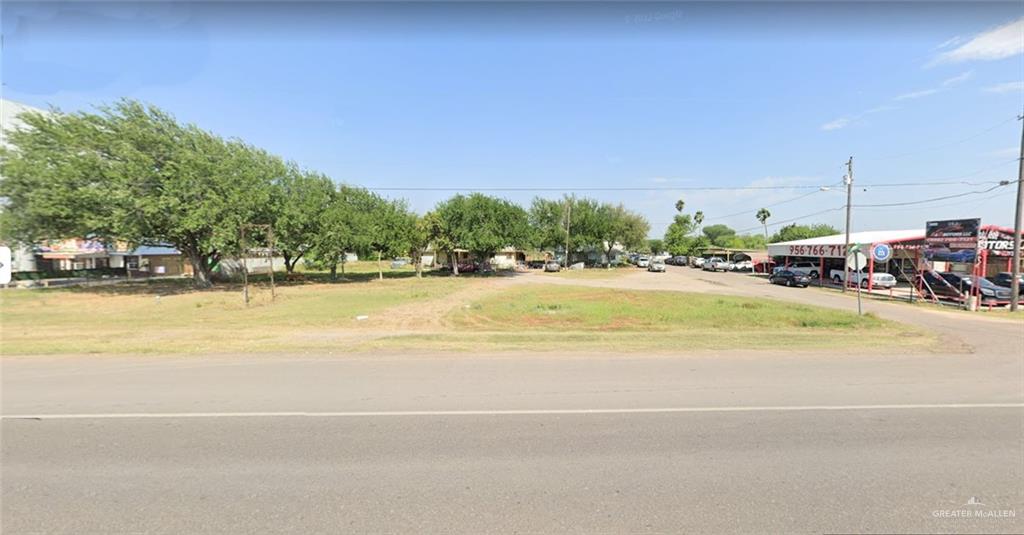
[{"x": 718, "y": 442}]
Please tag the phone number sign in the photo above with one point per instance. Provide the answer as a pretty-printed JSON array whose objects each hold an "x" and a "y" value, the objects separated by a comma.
[{"x": 827, "y": 251}]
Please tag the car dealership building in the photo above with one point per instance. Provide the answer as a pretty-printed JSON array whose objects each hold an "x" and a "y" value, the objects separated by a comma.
[{"x": 899, "y": 252}]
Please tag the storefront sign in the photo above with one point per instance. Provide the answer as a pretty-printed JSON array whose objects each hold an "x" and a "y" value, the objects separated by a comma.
[
  {"x": 954, "y": 240},
  {"x": 997, "y": 242}
]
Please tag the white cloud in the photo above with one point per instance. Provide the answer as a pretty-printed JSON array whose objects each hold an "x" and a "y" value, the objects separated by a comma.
[
  {"x": 916, "y": 94},
  {"x": 841, "y": 122},
  {"x": 955, "y": 40},
  {"x": 962, "y": 77},
  {"x": 1007, "y": 87},
  {"x": 998, "y": 43}
]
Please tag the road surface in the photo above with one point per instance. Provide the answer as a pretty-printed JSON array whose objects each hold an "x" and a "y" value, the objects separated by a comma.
[{"x": 717, "y": 442}]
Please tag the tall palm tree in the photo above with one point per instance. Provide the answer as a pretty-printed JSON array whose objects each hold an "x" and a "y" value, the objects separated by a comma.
[
  {"x": 762, "y": 215},
  {"x": 698, "y": 218},
  {"x": 680, "y": 204}
]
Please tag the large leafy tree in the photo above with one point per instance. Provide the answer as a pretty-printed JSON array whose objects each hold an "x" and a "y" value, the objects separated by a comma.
[
  {"x": 578, "y": 222},
  {"x": 618, "y": 226},
  {"x": 132, "y": 172},
  {"x": 677, "y": 236},
  {"x": 481, "y": 224},
  {"x": 719, "y": 235},
  {"x": 387, "y": 227},
  {"x": 802, "y": 232},
  {"x": 300, "y": 200},
  {"x": 341, "y": 230}
]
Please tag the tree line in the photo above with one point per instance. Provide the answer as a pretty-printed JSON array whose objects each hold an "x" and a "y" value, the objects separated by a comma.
[
  {"x": 686, "y": 235},
  {"x": 131, "y": 172}
]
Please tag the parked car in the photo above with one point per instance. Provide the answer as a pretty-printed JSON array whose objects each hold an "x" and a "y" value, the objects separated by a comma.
[
  {"x": 715, "y": 264},
  {"x": 656, "y": 266},
  {"x": 743, "y": 265},
  {"x": 698, "y": 262},
  {"x": 1005, "y": 278},
  {"x": 960, "y": 286},
  {"x": 399, "y": 263},
  {"x": 536, "y": 264},
  {"x": 552, "y": 267},
  {"x": 467, "y": 267},
  {"x": 811, "y": 269},
  {"x": 789, "y": 278},
  {"x": 643, "y": 261},
  {"x": 879, "y": 279}
]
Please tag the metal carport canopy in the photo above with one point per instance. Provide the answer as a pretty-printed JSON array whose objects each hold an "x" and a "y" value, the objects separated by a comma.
[{"x": 835, "y": 246}]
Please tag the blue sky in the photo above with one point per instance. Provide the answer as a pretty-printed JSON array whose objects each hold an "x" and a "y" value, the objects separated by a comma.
[{"x": 673, "y": 96}]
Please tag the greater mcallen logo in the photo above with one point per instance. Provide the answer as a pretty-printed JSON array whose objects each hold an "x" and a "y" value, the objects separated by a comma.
[{"x": 973, "y": 508}]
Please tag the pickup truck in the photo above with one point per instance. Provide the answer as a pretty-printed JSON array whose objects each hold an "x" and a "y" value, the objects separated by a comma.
[{"x": 878, "y": 279}]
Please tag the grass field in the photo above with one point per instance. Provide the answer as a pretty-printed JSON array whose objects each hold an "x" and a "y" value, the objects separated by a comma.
[
  {"x": 549, "y": 317},
  {"x": 433, "y": 313},
  {"x": 169, "y": 317}
]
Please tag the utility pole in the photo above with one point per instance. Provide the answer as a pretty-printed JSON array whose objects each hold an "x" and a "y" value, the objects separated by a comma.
[
  {"x": 568, "y": 223},
  {"x": 848, "y": 180},
  {"x": 1015, "y": 271},
  {"x": 245, "y": 268}
]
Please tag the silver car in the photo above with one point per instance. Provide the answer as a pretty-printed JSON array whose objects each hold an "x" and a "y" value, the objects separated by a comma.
[{"x": 657, "y": 266}]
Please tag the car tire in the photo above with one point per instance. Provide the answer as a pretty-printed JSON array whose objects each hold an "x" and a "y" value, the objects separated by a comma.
[
  {"x": 837, "y": 280},
  {"x": 789, "y": 283},
  {"x": 864, "y": 284},
  {"x": 813, "y": 274}
]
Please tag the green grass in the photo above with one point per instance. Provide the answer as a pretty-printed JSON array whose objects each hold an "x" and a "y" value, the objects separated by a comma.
[
  {"x": 169, "y": 317},
  {"x": 599, "y": 309},
  {"x": 585, "y": 318},
  {"x": 433, "y": 313}
]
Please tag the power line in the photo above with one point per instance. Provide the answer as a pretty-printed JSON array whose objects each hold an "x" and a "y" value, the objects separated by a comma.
[
  {"x": 571, "y": 189},
  {"x": 805, "y": 195},
  {"x": 944, "y": 145},
  {"x": 934, "y": 199}
]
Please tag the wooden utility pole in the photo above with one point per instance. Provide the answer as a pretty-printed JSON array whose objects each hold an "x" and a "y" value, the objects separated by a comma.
[
  {"x": 245, "y": 267},
  {"x": 1015, "y": 269},
  {"x": 568, "y": 224},
  {"x": 848, "y": 180}
]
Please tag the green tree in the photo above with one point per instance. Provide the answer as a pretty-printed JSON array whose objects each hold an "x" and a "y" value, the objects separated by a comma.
[
  {"x": 762, "y": 215},
  {"x": 698, "y": 219},
  {"x": 132, "y": 172},
  {"x": 677, "y": 236},
  {"x": 419, "y": 239},
  {"x": 619, "y": 226},
  {"x": 802, "y": 232},
  {"x": 388, "y": 228},
  {"x": 719, "y": 235},
  {"x": 481, "y": 224},
  {"x": 656, "y": 246},
  {"x": 578, "y": 219},
  {"x": 680, "y": 204},
  {"x": 299, "y": 202},
  {"x": 342, "y": 230}
]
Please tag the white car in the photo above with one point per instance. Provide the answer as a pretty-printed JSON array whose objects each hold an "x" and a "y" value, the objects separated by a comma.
[
  {"x": 811, "y": 269},
  {"x": 698, "y": 262},
  {"x": 742, "y": 265},
  {"x": 643, "y": 261},
  {"x": 878, "y": 280}
]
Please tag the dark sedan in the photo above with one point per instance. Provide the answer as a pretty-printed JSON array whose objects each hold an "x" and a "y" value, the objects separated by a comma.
[
  {"x": 1005, "y": 278},
  {"x": 790, "y": 278}
]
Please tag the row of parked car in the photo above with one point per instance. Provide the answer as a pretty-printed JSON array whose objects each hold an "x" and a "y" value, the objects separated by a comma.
[{"x": 947, "y": 285}]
